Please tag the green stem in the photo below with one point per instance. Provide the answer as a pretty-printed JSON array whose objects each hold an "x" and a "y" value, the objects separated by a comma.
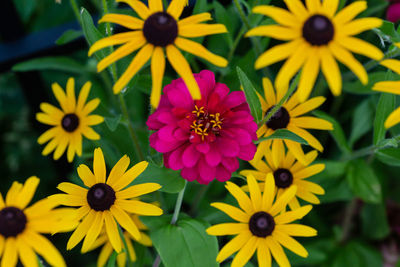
[
  {"x": 75, "y": 8},
  {"x": 178, "y": 205},
  {"x": 129, "y": 256},
  {"x": 348, "y": 219},
  {"x": 282, "y": 101}
]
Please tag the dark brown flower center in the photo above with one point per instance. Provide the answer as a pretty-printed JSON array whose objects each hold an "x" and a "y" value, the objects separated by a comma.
[
  {"x": 160, "y": 29},
  {"x": 101, "y": 197},
  {"x": 318, "y": 30},
  {"x": 70, "y": 122},
  {"x": 279, "y": 120},
  {"x": 261, "y": 224},
  {"x": 283, "y": 178},
  {"x": 12, "y": 222}
]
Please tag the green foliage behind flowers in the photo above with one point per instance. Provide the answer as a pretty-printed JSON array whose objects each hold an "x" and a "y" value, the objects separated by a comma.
[{"x": 357, "y": 219}]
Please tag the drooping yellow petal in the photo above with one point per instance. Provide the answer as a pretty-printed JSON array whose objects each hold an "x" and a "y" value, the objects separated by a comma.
[
  {"x": 392, "y": 64},
  {"x": 274, "y": 31},
  {"x": 232, "y": 212},
  {"x": 393, "y": 119},
  {"x": 140, "y": 8},
  {"x": 137, "y": 190},
  {"x": 297, "y": 151},
  {"x": 123, "y": 20},
  {"x": 349, "y": 12},
  {"x": 157, "y": 74},
  {"x": 309, "y": 74},
  {"x": 312, "y": 123},
  {"x": 246, "y": 252},
  {"x": 227, "y": 229},
  {"x": 10, "y": 256},
  {"x": 263, "y": 254},
  {"x": 121, "y": 52},
  {"x": 276, "y": 54},
  {"x": 361, "y": 47},
  {"x": 61, "y": 147},
  {"x": 139, "y": 207},
  {"x": 115, "y": 39},
  {"x": 200, "y": 51},
  {"x": 331, "y": 71},
  {"x": 277, "y": 251},
  {"x": 93, "y": 232},
  {"x": 125, "y": 221},
  {"x": 118, "y": 170},
  {"x": 280, "y": 15},
  {"x": 312, "y": 141},
  {"x": 104, "y": 255},
  {"x": 283, "y": 200},
  {"x": 137, "y": 63},
  {"x": 289, "y": 243},
  {"x": 112, "y": 231},
  {"x": 26, "y": 254},
  {"x": 200, "y": 30},
  {"x": 86, "y": 175},
  {"x": 307, "y": 106},
  {"x": 234, "y": 245},
  {"x": 194, "y": 19},
  {"x": 278, "y": 153},
  {"x": 182, "y": 67},
  {"x": 360, "y": 25},
  {"x": 49, "y": 134},
  {"x": 81, "y": 230},
  {"x": 72, "y": 189},
  {"x": 241, "y": 197},
  {"x": 296, "y": 230}
]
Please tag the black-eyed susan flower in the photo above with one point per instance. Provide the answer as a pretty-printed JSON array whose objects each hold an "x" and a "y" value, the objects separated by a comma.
[
  {"x": 158, "y": 32},
  {"x": 21, "y": 227},
  {"x": 263, "y": 225},
  {"x": 70, "y": 122},
  {"x": 317, "y": 36},
  {"x": 290, "y": 117},
  {"x": 107, "y": 248},
  {"x": 392, "y": 87},
  {"x": 106, "y": 201},
  {"x": 288, "y": 172}
]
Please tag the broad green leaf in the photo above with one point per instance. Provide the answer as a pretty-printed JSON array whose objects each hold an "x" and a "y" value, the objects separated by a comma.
[
  {"x": 337, "y": 132},
  {"x": 356, "y": 254},
  {"x": 112, "y": 122},
  {"x": 251, "y": 95},
  {"x": 223, "y": 17},
  {"x": 374, "y": 221},
  {"x": 357, "y": 87},
  {"x": 283, "y": 134},
  {"x": 385, "y": 106},
  {"x": 92, "y": 34},
  {"x": 363, "y": 181},
  {"x": 362, "y": 121},
  {"x": 389, "y": 156},
  {"x": 170, "y": 180},
  {"x": 185, "y": 244},
  {"x": 68, "y": 36},
  {"x": 65, "y": 64},
  {"x": 387, "y": 32}
]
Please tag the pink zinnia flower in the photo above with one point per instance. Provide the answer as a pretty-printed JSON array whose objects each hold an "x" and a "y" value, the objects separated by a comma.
[
  {"x": 393, "y": 12},
  {"x": 203, "y": 138}
]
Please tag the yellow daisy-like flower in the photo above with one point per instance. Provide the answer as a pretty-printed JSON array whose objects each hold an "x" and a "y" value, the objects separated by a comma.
[
  {"x": 392, "y": 87},
  {"x": 106, "y": 201},
  {"x": 70, "y": 122},
  {"x": 155, "y": 31},
  {"x": 288, "y": 172},
  {"x": 289, "y": 117},
  {"x": 317, "y": 36},
  {"x": 107, "y": 248},
  {"x": 21, "y": 227},
  {"x": 263, "y": 225}
]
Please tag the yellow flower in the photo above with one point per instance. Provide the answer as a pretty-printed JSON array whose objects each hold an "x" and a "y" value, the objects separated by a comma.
[
  {"x": 289, "y": 117},
  {"x": 69, "y": 123},
  {"x": 107, "y": 249},
  {"x": 288, "y": 173},
  {"x": 317, "y": 36},
  {"x": 263, "y": 225},
  {"x": 105, "y": 201},
  {"x": 392, "y": 87},
  {"x": 153, "y": 32},
  {"x": 21, "y": 227}
]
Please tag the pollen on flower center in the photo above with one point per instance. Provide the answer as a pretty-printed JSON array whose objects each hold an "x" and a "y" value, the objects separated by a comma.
[
  {"x": 261, "y": 224},
  {"x": 318, "y": 30},
  {"x": 12, "y": 222},
  {"x": 205, "y": 123},
  {"x": 160, "y": 29},
  {"x": 283, "y": 178},
  {"x": 279, "y": 120},
  {"x": 101, "y": 197},
  {"x": 70, "y": 122}
]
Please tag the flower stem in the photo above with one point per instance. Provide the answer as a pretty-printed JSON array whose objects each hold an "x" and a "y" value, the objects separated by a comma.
[
  {"x": 292, "y": 87},
  {"x": 174, "y": 219},
  {"x": 348, "y": 219},
  {"x": 76, "y": 10}
]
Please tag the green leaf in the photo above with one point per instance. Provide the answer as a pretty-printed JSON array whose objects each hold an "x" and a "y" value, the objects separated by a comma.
[
  {"x": 112, "y": 260},
  {"x": 356, "y": 254},
  {"x": 251, "y": 95},
  {"x": 185, "y": 244},
  {"x": 363, "y": 181},
  {"x": 65, "y": 64},
  {"x": 385, "y": 106},
  {"x": 92, "y": 34},
  {"x": 387, "y": 32},
  {"x": 357, "y": 87},
  {"x": 337, "y": 133},
  {"x": 223, "y": 18},
  {"x": 362, "y": 121},
  {"x": 389, "y": 156},
  {"x": 284, "y": 134},
  {"x": 170, "y": 180},
  {"x": 68, "y": 36},
  {"x": 374, "y": 221},
  {"x": 112, "y": 122}
]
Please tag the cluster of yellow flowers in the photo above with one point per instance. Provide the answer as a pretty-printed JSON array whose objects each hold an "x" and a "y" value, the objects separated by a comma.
[{"x": 317, "y": 35}]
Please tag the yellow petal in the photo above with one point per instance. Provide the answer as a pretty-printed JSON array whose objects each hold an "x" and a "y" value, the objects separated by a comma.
[
  {"x": 234, "y": 245},
  {"x": 123, "y": 20},
  {"x": 86, "y": 175},
  {"x": 296, "y": 230},
  {"x": 10, "y": 256},
  {"x": 309, "y": 171},
  {"x": 175, "y": 8},
  {"x": 227, "y": 229},
  {"x": 26, "y": 254},
  {"x": 112, "y": 231},
  {"x": 81, "y": 230},
  {"x": 27, "y": 192},
  {"x": 307, "y": 106},
  {"x": 246, "y": 252},
  {"x": 72, "y": 189},
  {"x": 99, "y": 166},
  {"x": 360, "y": 25},
  {"x": 140, "y": 8},
  {"x": 83, "y": 94},
  {"x": 290, "y": 243},
  {"x": 361, "y": 47},
  {"x": 200, "y": 30},
  {"x": 330, "y": 7},
  {"x": 393, "y": 119},
  {"x": 232, "y": 212},
  {"x": 277, "y": 252},
  {"x": 241, "y": 197},
  {"x": 274, "y": 31},
  {"x": 313, "y": 6},
  {"x": 93, "y": 232},
  {"x": 125, "y": 221},
  {"x": 137, "y": 190},
  {"x": 312, "y": 123},
  {"x": 312, "y": 141},
  {"x": 350, "y": 12},
  {"x": 155, "y": 5},
  {"x": 60, "y": 95},
  {"x": 130, "y": 175},
  {"x": 280, "y": 15},
  {"x": 331, "y": 71},
  {"x": 255, "y": 193},
  {"x": 157, "y": 74},
  {"x": 269, "y": 192},
  {"x": 115, "y": 39},
  {"x": 194, "y": 19},
  {"x": 138, "y": 207},
  {"x": 283, "y": 200},
  {"x": 309, "y": 75},
  {"x": 118, "y": 170},
  {"x": 276, "y": 54},
  {"x": 297, "y": 8},
  {"x": 263, "y": 254}
]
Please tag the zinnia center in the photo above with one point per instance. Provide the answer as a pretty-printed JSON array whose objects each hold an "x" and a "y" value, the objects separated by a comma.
[
  {"x": 283, "y": 178},
  {"x": 205, "y": 125},
  {"x": 160, "y": 29},
  {"x": 261, "y": 224},
  {"x": 12, "y": 222},
  {"x": 318, "y": 30},
  {"x": 70, "y": 122},
  {"x": 279, "y": 120},
  {"x": 101, "y": 197}
]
